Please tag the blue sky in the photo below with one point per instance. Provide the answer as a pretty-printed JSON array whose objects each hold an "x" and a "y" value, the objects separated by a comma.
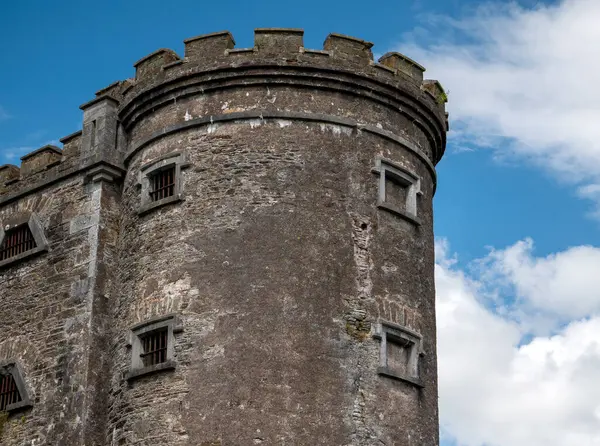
[{"x": 518, "y": 195}]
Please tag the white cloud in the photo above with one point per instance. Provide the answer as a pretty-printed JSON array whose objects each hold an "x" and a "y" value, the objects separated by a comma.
[
  {"x": 565, "y": 284},
  {"x": 12, "y": 154},
  {"x": 496, "y": 390},
  {"x": 523, "y": 80}
]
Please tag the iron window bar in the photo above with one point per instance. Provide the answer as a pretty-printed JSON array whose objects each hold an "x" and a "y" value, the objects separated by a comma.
[
  {"x": 154, "y": 346},
  {"x": 163, "y": 184},
  {"x": 9, "y": 394},
  {"x": 16, "y": 241}
]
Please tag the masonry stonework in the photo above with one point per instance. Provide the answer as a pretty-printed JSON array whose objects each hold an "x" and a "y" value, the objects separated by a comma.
[{"x": 274, "y": 265}]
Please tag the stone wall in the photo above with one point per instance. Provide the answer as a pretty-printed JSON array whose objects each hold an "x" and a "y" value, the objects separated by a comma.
[
  {"x": 47, "y": 311},
  {"x": 276, "y": 261}
]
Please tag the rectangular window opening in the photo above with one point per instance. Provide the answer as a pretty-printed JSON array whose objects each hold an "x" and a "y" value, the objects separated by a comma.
[
  {"x": 162, "y": 184},
  {"x": 16, "y": 241},
  {"x": 399, "y": 354},
  {"x": 154, "y": 347},
  {"x": 9, "y": 394},
  {"x": 396, "y": 192}
]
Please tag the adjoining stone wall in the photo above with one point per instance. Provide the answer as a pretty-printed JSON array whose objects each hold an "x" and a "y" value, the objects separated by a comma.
[{"x": 45, "y": 310}]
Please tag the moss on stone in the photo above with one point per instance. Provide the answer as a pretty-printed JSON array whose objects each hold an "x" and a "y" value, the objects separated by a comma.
[
  {"x": 3, "y": 421},
  {"x": 359, "y": 330}
]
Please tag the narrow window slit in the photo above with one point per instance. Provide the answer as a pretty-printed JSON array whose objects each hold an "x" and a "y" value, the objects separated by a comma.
[{"x": 93, "y": 136}]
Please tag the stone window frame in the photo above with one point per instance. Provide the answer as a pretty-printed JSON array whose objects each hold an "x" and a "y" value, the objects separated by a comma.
[
  {"x": 388, "y": 169},
  {"x": 175, "y": 159},
  {"x": 12, "y": 367},
  {"x": 173, "y": 325},
  {"x": 38, "y": 235},
  {"x": 387, "y": 331}
]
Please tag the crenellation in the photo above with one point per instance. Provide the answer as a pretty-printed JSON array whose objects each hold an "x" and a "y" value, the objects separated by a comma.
[
  {"x": 127, "y": 85},
  {"x": 349, "y": 49},
  {"x": 403, "y": 64},
  {"x": 151, "y": 65},
  {"x": 435, "y": 89},
  {"x": 9, "y": 173},
  {"x": 110, "y": 89},
  {"x": 39, "y": 160},
  {"x": 174, "y": 64},
  {"x": 383, "y": 67},
  {"x": 71, "y": 144},
  {"x": 208, "y": 47},
  {"x": 278, "y": 41}
]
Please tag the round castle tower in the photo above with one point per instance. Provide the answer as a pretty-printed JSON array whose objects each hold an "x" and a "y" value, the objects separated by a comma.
[
  {"x": 236, "y": 249},
  {"x": 277, "y": 225}
]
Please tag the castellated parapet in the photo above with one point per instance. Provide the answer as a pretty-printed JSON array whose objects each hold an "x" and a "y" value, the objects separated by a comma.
[{"x": 235, "y": 249}]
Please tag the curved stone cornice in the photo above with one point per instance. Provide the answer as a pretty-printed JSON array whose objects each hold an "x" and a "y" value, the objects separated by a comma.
[
  {"x": 295, "y": 116},
  {"x": 404, "y": 98}
]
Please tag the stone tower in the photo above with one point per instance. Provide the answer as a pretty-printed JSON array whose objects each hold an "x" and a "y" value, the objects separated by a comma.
[{"x": 236, "y": 249}]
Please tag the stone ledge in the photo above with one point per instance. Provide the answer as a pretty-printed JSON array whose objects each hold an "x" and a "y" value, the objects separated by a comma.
[
  {"x": 21, "y": 405},
  {"x": 400, "y": 213},
  {"x": 315, "y": 52},
  {"x": 136, "y": 373},
  {"x": 240, "y": 50},
  {"x": 103, "y": 173},
  {"x": 24, "y": 255},
  {"x": 386, "y": 371},
  {"x": 160, "y": 203}
]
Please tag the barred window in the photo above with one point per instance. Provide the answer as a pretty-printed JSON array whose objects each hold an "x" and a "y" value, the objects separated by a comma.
[
  {"x": 17, "y": 241},
  {"x": 162, "y": 184},
  {"x": 154, "y": 347},
  {"x": 9, "y": 393}
]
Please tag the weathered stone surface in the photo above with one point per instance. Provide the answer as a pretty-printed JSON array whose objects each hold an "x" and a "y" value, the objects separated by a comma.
[
  {"x": 275, "y": 261},
  {"x": 39, "y": 160}
]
